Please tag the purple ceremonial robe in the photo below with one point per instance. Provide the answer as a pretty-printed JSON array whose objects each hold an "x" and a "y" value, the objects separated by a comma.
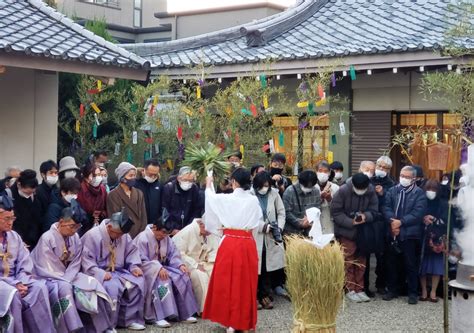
[
  {"x": 125, "y": 289},
  {"x": 30, "y": 313},
  {"x": 173, "y": 297},
  {"x": 73, "y": 295}
]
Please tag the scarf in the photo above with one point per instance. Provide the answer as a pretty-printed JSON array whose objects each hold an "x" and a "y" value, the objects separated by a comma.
[
  {"x": 401, "y": 199},
  {"x": 66, "y": 253},
  {"x": 263, "y": 201},
  {"x": 92, "y": 198},
  {"x": 112, "y": 247},
  {"x": 4, "y": 256}
]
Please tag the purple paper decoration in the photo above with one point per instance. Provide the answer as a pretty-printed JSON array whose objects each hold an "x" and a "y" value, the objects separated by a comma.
[
  {"x": 333, "y": 80},
  {"x": 303, "y": 124}
]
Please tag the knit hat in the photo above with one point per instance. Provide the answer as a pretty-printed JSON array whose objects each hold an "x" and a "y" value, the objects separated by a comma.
[
  {"x": 360, "y": 181},
  {"x": 419, "y": 171},
  {"x": 67, "y": 163},
  {"x": 122, "y": 169}
]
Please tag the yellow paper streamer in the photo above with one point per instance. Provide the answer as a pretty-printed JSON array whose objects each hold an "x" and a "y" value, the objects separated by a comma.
[
  {"x": 229, "y": 111},
  {"x": 242, "y": 151},
  {"x": 303, "y": 104},
  {"x": 330, "y": 157},
  {"x": 158, "y": 123},
  {"x": 170, "y": 164},
  {"x": 188, "y": 111},
  {"x": 95, "y": 107},
  {"x": 78, "y": 126},
  {"x": 99, "y": 85},
  {"x": 155, "y": 100},
  {"x": 265, "y": 102},
  {"x": 321, "y": 102},
  {"x": 198, "y": 92}
]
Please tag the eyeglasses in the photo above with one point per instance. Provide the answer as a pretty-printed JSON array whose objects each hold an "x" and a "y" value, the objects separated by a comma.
[
  {"x": 76, "y": 226},
  {"x": 8, "y": 219},
  {"x": 383, "y": 167}
]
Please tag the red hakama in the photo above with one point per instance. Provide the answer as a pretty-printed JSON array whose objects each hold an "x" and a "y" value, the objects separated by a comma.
[{"x": 232, "y": 295}]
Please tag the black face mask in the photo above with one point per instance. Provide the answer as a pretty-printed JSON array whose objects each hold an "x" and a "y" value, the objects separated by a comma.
[
  {"x": 129, "y": 182},
  {"x": 276, "y": 171}
]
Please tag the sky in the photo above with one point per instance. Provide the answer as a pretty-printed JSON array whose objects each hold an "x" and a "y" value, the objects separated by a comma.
[{"x": 181, "y": 5}]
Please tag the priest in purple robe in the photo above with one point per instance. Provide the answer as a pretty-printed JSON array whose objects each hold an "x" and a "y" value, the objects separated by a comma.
[
  {"x": 77, "y": 301},
  {"x": 111, "y": 257},
  {"x": 169, "y": 292},
  {"x": 24, "y": 305}
]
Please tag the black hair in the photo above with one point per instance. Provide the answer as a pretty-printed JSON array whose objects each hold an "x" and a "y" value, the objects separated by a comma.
[
  {"x": 88, "y": 170},
  {"x": 48, "y": 166},
  {"x": 255, "y": 167},
  {"x": 27, "y": 178},
  {"x": 307, "y": 178},
  {"x": 236, "y": 154},
  {"x": 100, "y": 153},
  {"x": 70, "y": 185},
  {"x": 360, "y": 181},
  {"x": 160, "y": 224},
  {"x": 260, "y": 179},
  {"x": 336, "y": 165},
  {"x": 242, "y": 177},
  {"x": 279, "y": 157},
  {"x": 418, "y": 170},
  {"x": 152, "y": 161},
  {"x": 326, "y": 165}
]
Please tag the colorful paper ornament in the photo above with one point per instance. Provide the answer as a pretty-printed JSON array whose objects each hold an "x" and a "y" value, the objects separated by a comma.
[
  {"x": 95, "y": 107},
  {"x": 146, "y": 155},
  {"x": 281, "y": 139},
  {"x": 179, "y": 134},
  {"x": 317, "y": 149},
  {"x": 265, "y": 102},
  {"x": 320, "y": 91},
  {"x": 93, "y": 91},
  {"x": 134, "y": 137},
  {"x": 157, "y": 148},
  {"x": 134, "y": 107},
  {"x": 169, "y": 164},
  {"x": 320, "y": 103},
  {"x": 229, "y": 111},
  {"x": 311, "y": 109},
  {"x": 334, "y": 139},
  {"x": 330, "y": 157},
  {"x": 152, "y": 110},
  {"x": 245, "y": 111},
  {"x": 242, "y": 151},
  {"x": 263, "y": 81},
  {"x": 187, "y": 111},
  {"x": 302, "y": 104},
  {"x": 188, "y": 120},
  {"x": 224, "y": 134},
  {"x": 254, "y": 111},
  {"x": 239, "y": 95},
  {"x": 155, "y": 100},
  {"x": 78, "y": 126},
  {"x": 82, "y": 110},
  {"x": 342, "y": 128},
  {"x": 94, "y": 131},
  {"x": 271, "y": 143},
  {"x": 99, "y": 85},
  {"x": 157, "y": 122},
  {"x": 96, "y": 118},
  {"x": 129, "y": 155},
  {"x": 198, "y": 92},
  {"x": 117, "y": 149},
  {"x": 265, "y": 147},
  {"x": 303, "y": 124},
  {"x": 352, "y": 72},
  {"x": 333, "y": 80}
]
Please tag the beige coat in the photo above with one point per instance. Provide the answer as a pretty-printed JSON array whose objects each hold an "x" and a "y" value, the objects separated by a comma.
[
  {"x": 134, "y": 206},
  {"x": 327, "y": 224},
  {"x": 275, "y": 253}
]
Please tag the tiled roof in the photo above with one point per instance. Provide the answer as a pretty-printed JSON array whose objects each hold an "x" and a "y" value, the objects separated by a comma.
[
  {"x": 316, "y": 29},
  {"x": 32, "y": 28}
]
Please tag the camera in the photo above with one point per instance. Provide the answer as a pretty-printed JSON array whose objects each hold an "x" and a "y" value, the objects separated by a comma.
[
  {"x": 276, "y": 232},
  {"x": 358, "y": 217}
]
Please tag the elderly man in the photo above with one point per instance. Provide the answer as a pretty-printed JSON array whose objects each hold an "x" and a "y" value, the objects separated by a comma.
[
  {"x": 11, "y": 174},
  {"x": 169, "y": 292},
  {"x": 404, "y": 209},
  {"x": 111, "y": 257},
  {"x": 180, "y": 201},
  {"x": 23, "y": 300},
  {"x": 57, "y": 259},
  {"x": 150, "y": 185},
  {"x": 198, "y": 249}
]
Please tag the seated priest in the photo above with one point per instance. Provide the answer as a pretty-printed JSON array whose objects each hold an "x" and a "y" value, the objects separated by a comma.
[
  {"x": 77, "y": 301},
  {"x": 111, "y": 257},
  {"x": 24, "y": 305},
  {"x": 169, "y": 292},
  {"x": 198, "y": 249}
]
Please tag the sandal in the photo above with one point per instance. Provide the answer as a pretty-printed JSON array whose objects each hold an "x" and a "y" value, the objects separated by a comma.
[
  {"x": 266, "y": 303},
  {"x": 434, "y": 300},
  {"x": 423, "y": 299}
]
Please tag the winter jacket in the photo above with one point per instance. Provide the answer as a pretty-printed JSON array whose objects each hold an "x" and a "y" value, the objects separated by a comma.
[
  {"x": 296, "y": 203},
  {"x": 54, "y": 211},
  {"x": 152, "y": 194},
  {"x": 346, "y": 203},
  {"x": 412, "y": 213},
  {"x": 44, "y": 195}
]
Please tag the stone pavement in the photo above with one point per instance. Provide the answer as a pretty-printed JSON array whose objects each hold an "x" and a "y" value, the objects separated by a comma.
[{"x": 374, "y": 316}]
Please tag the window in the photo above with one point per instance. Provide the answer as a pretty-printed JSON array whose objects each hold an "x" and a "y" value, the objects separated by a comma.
[
  {"x": 109, "y": 3},
  {"x": 137, "y": 13}
]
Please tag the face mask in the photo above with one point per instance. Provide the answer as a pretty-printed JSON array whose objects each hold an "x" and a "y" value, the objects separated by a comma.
[
  {"x": 430, "y": 195},
  {"x": 104, "y": 180},
  {"x": 24, "y": 195},
  {"x": 322, "y": 177},
  {"x": 306, "y": 189},
  {"x": 380, "y": 173},
  {"x": 405, "y": 182},
  {"x": 96, "y": 181},
  {"x": 338, "y": 175},
  {"x": 129, "y": 182},
  {"x": 70, "y": 174},
  {"x": 276, "y": 171},
  {"x": 70, "y": 197},
  {"x": 263, "y": 190},
  {"x": 51, "y": 180},
  {"x": 444, "y": 182},
  {"x": 150, "y": 179},
  {"x": 185, "y": 186},
  {"x": 368, "y": 174},
  {"x": 360, "y": 192},
  {"x": 236, "y": 164}
]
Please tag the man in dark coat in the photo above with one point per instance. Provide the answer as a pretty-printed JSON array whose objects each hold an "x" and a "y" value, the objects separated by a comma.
[
  {"x": 150, "y": 185},
  {"x": 404, "y": 209},
  {"x": 44, "y": 192}
]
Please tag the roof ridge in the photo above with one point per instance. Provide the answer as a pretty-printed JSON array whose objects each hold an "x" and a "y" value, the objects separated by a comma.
[
  {"x": 61, "y": 18},
  {"x": 216, "y": 36}
]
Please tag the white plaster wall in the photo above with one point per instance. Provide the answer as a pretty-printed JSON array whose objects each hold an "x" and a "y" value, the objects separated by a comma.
[{"x": 28, "y": 117}]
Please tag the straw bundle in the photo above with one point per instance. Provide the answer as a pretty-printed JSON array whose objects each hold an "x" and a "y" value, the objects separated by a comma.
[{"x": 315, "y": 281}]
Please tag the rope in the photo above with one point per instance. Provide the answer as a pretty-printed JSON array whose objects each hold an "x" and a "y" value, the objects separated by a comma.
[
  {"x": 111, "y": 267},
  {"x": 300, "y": 326}
]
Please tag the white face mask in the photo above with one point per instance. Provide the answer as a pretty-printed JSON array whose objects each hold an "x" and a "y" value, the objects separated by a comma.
[
  {"x": 368, "y": 174},
  {"x": 360, "y": 192},
  {"x": 444, "y": 182},
  {"x": 185, "y": 186},
  {"x": 70, "y": 174},
  {"x": 322, "y": 177},
  {"x": 96, "y": 181},
  {"x": 338, "y": 175},
  {"x": 306, "y": 189},
  {"x": 236, "y": 164},
  {"x": 70, "y": 197},
  {"x": 104, "y": 180},
  {"x": 405, "y": 182},
  {"x": 23, "y": 195},
  {"x": 263, "y": 190},
  {"x": 380, "y": 173},
  {"x": 430, "y": 195},
  {"x": 150, "y": 179},
  {"x": 51, "y": 180}
]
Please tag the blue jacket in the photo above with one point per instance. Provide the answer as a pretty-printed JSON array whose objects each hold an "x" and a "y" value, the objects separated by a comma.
[
  {"x": 152, "y": 194},
  {"x": 413, "y": 211}
]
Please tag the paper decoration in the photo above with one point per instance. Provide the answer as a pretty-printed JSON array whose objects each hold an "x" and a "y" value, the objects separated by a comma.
[
  {"x": 188, "y": 120},
  {"x": 134, "y": 137},
  {"x": 242, "y": 151},
  {"x": 265, "y": 102},
  {"x": 157, "y": 148},
  {"x": 78, "y": 126},
  {"x": 333, "y": 80},
  {"x": 202, "y": 110},
  {"x": 134, "y": 107},
  {"x": 311, "y": 109},
  {"x": 334, "y": 139},
  {"x": 155, "y": 100},
  {"x": 169, "y": 164},
  {"x": 157, "y": 122},
  {"x": 302, "y": 104},
  {"x": 320, "y": 91},
  {"x": 146, "y": 155},
  {"x": 265, "y": 147},
  {"x": 149, "y": 140},
  {"x": 117, "y": 149},
  {"x": 270, "y": 109},
  {"x": 320, "y": 103},
  {"x": 82, "y": 110},
  {"x": 188, "y": 111},
  {"x": 152, "y": 110},
  {"x": 94, "y": 131},
  {"x": 93, "y": 91},
  {"x": 224, "y": 134},
  {"x": 303, "y": 124},
  {"x": 179, "y": 134},
  {"x": 281, "y": 139},
  {"x": 352, "y": 72},
  {"x": 295, "y": 168},
  {"x": 254, "y": 111},
  {"x": 272, "y": 146},
  {"x": 229, "y": 111},
  {"x": 95, "y": 107},
  {"x": 316, "y": 147},
  {"x": 239, "y": 95},
  {"x": 330, "y": 157},
  {"x": 99, "y": 85},
  {"x": 96, "y": 118},
  {"x": 318, "y": 239},
  {"x": 263, "y": 81},
  {"x": 245, "y": 111},
  {"x": 129, "y": 155},
  {"x": 198, "y": 92},
  {"x": 342, "y": 128}
]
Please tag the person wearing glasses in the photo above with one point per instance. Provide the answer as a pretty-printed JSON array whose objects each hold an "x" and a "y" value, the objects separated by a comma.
[
  {"x": 57, "y": 259},
  {"x": 23, "y": 299}
]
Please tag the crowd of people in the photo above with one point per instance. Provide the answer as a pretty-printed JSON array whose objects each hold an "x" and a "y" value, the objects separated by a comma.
[{"x": 79, "y": 253}]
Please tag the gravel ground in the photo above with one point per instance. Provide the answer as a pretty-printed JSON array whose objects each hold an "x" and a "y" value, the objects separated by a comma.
[{"x": 374, "y": 316}]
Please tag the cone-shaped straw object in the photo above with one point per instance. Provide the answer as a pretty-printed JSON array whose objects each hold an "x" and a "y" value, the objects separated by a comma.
[{"x": 315, "y": 281}]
